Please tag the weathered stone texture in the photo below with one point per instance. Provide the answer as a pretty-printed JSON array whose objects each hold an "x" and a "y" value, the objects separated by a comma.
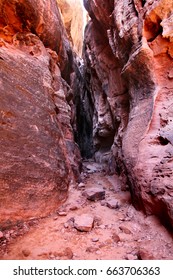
[
  {"x": 129, "y": 52},
  {"x": 38, "y": 156}
]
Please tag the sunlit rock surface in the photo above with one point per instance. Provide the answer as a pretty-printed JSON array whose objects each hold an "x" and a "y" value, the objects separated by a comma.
[{"x": 74, "y": 18}]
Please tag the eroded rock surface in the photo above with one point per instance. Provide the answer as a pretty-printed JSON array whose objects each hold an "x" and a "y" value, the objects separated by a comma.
[
  {"x": 38, "y": 155},
  {"x": 129, "y": 52}
]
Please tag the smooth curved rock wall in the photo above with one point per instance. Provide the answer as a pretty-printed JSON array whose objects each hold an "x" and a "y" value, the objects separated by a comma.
[{"x": 128, "y": 50}]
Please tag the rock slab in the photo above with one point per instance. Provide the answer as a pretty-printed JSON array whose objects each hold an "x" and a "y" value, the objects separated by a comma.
[
  {"x": 84, "y": 222},
  {"x": 113, "y": 203},
  {"x": 95, "y": 193}
]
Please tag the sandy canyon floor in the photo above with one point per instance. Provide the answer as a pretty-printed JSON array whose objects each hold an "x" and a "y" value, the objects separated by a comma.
[{"x": 118, "y": 230}]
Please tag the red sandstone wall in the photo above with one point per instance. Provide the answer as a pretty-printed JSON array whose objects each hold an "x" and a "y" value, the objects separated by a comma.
[
  {"x": 129, "y": 53},
  {"x": 37, "y": 150}
]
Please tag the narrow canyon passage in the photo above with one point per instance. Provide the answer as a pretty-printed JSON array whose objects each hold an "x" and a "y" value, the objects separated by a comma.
[
  {"x": 86, "y": 129},
  {"x": 87, "y": 226}
]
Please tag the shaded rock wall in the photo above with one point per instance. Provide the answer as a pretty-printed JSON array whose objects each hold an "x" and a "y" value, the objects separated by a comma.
[
  {"x": 128, "y": 51},
  {"x": 83, "y": 111},
  {"x": 38, "y": 155}
]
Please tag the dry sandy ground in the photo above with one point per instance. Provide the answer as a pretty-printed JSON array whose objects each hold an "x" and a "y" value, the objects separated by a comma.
[{"x": 121, "y": 233}]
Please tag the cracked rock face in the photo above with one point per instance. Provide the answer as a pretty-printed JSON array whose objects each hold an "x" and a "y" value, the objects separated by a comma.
[
  {"x": 129, "y": 54},
  {"x": 37, "y": 152}
]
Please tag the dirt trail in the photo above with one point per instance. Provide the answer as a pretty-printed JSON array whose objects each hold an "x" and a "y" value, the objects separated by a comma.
[{"x": 121, "y": 233}]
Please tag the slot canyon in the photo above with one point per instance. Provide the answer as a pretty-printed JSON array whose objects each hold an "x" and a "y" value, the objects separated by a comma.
[{"x": 86, "y": 129}]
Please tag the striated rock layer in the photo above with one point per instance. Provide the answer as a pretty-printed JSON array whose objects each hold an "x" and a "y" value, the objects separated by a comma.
[
  {"x": 129, "y": 55},
  {"x": 38, "y": 155}
]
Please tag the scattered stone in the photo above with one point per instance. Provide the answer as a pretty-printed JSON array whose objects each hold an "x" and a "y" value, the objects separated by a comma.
[
  {"x": 75, "y": 255},
  {"x": 120, "y": 244},
  {"x": 95, "y": 193},
  {"x": 125, "y": 229},
  {"x": 102, "y": 245},
  {"x": 81, "y": 185},
  {"x": 143, "y": 254},
  {"x": 170, "y": 74},
  {"x": 108, "y": 241},
  {"x": 115, "y": 237},
  {"x": 26, "y": 252},
  {"x": 69, "y": 223},
  {"x": 55, "y": 218},
  {"x": 92, "y": 249},
  {"x": 66, "y": 225},
  {"x": 1, "y": 234},
  {"x": 130, "y": 212},
  {"x": 44, "y": 255},
  {"x": 131, "y": 257},
  {"x": 108, "y": 226},
  {"x": 92, "y": 168},
  {"x": 102, "y": 227},
  {"x": 103, "y": 203},
  {"x": 84, "y": 222},
  {"x": 51, "y": 256},
  {"x": 73, "y": 186},
  {"x": 97, "y": 220},
  {"x": 73, "y": 207},
  {"x": 7, "y": 235},
  {"x": 98, "y": 252},
  {"x": 32, "y": 222},
  {"x": 62, "y": 213},
  {"x": 95, "y": 239},
  {"x": 113, "y": 203},
  {"x": 68, "y": 253}
]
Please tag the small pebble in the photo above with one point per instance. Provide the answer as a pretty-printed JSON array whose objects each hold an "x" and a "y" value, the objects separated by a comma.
[
  {"x": 7, "y": 235},
  {"x": 125, "y": 229},
  {"x": 73, "y": 208},
  {"x": 102, "y": 226},
  {"x": 102, "y": 203},
  {"x": 95, "y": 239},
  {"x": 98, "y": 252},
  {"x": 131, "y": 257},
  {"x": 62, "y": 213},
  {"x": 26, "y": 252},
  {"x": 115, "y": 237},
  {"x": 81, "y": 185},
  {"x": 66, "y": 225}
]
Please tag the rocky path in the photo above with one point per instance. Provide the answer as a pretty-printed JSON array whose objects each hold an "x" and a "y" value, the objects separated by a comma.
[{"x": 96, "y": 222}]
